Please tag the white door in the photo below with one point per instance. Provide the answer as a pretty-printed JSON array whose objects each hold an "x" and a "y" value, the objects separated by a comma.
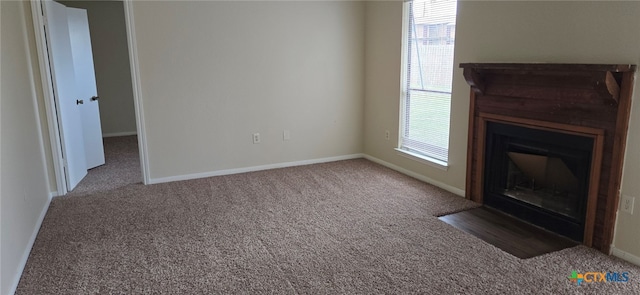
[
  {"x": 65, "y": 95},
  {"x": 86, "y": 82}
]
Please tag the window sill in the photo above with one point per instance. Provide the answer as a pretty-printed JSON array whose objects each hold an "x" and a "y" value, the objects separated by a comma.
[{"x": 423, "y": 159}]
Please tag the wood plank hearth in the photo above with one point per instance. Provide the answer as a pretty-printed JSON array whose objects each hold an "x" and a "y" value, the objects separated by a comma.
[
  {"x": 581, "y": 99},
  {"x": 512, "y": 235}
]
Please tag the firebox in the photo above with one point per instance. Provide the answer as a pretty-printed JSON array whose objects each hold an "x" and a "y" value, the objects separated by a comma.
[{"x": 538, "y": 175}]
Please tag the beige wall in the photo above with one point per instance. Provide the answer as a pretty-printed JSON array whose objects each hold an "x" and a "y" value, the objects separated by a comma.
[
  {"x": 214, "y": 73},
  {"x": 327, "y": 71},
  {"x": 382, "y": 100},
  {"x": 24, "y": 188},
  {"x": 111, "y": 61},
  {"x": 519, "y": 31}
]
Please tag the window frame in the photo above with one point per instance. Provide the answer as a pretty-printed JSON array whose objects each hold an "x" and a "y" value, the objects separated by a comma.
[{"x": 402, "y": 149}]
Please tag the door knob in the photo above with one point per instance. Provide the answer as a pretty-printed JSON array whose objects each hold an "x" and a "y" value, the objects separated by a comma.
[
  {"x": 94, "y": 98},
  {"x": 79, "y": 101}
]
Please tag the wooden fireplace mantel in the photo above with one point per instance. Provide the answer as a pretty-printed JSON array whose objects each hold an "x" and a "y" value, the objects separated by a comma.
[
  {"x": 568, "y": 98},
  {"x": 586, "y": 80}
]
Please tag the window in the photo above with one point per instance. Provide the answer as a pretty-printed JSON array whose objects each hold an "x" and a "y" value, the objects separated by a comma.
[{"x": 428, "y": 73}]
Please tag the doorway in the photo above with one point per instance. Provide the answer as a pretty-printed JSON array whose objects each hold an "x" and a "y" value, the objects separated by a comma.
[{"x": 122, "y": 126}]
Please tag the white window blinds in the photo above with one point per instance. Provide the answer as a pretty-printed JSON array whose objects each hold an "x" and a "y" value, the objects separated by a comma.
[{"x": 426, "y": 101}]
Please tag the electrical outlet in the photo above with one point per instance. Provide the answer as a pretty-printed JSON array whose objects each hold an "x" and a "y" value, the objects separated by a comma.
[
  {"x": 386, "y": 135},
  {"x": 286, "y": 135},
  {"x": 627, "y": 204},
  {"x": 256, "y": 138}
]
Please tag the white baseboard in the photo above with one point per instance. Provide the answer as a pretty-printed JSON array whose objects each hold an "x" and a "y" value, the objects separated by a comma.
[
  {"x": 252, "y": 169},
  {"x": 114, "y": 134},
  {"x": 421, "y": 177},
  {"x": 53, "y": 194},
  {"x": 27, "y": 250},
  {"x": 625, "y": 255},
  {"x": 439, "y": 184}
]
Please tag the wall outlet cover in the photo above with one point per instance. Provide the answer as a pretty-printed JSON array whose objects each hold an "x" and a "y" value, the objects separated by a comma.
[{"x": 626, "y": 204}]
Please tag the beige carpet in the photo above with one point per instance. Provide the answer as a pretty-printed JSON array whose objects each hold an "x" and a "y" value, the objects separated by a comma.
[
  {"x": 343, "y": 227},
  {"x": 121, "y": 168}
]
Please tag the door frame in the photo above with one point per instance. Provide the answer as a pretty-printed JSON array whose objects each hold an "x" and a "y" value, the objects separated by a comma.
[{"x": 49, "y": 105}]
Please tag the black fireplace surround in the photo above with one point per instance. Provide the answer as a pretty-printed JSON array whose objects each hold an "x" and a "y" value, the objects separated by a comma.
[{"x": 537, "y": 175}]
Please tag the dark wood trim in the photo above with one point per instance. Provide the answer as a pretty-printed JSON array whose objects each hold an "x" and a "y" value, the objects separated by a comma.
[
  {"x": 467, "y": 186},
  {"x": 543, "y": 125},
  {"x": 594, "y": 186},
  {"x": 474, "y": 80},
  {"x": 602, "y": 81},
  {"x": 583, "y": 99},
  {"x": 607, "y": 86},
  {"x": 480, "y": 145},
  {"x": 537, "y": 67},
  {"x": 619, "y": 144}
]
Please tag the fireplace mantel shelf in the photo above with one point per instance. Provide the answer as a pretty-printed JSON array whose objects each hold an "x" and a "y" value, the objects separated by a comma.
[
  {"x": 593, "y": 80},
  {"x": 590, "y": 100}
]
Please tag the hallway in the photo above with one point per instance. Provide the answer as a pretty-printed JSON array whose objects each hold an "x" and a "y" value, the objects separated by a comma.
[{"x": 121, "y": 168}]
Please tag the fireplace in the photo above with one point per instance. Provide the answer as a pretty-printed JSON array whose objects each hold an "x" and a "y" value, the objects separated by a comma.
[
  {"x": 546, "y": 144},
  {"x": 540, "y": 176}
]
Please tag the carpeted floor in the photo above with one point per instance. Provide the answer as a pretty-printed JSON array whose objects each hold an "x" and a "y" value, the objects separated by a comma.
[
  {"x": 342, "y": 227},
  {"x": 121, "y": 168}
]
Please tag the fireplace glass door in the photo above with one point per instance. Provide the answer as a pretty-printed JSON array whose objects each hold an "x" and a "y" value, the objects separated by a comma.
[{"x": 537, "y": 175}]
